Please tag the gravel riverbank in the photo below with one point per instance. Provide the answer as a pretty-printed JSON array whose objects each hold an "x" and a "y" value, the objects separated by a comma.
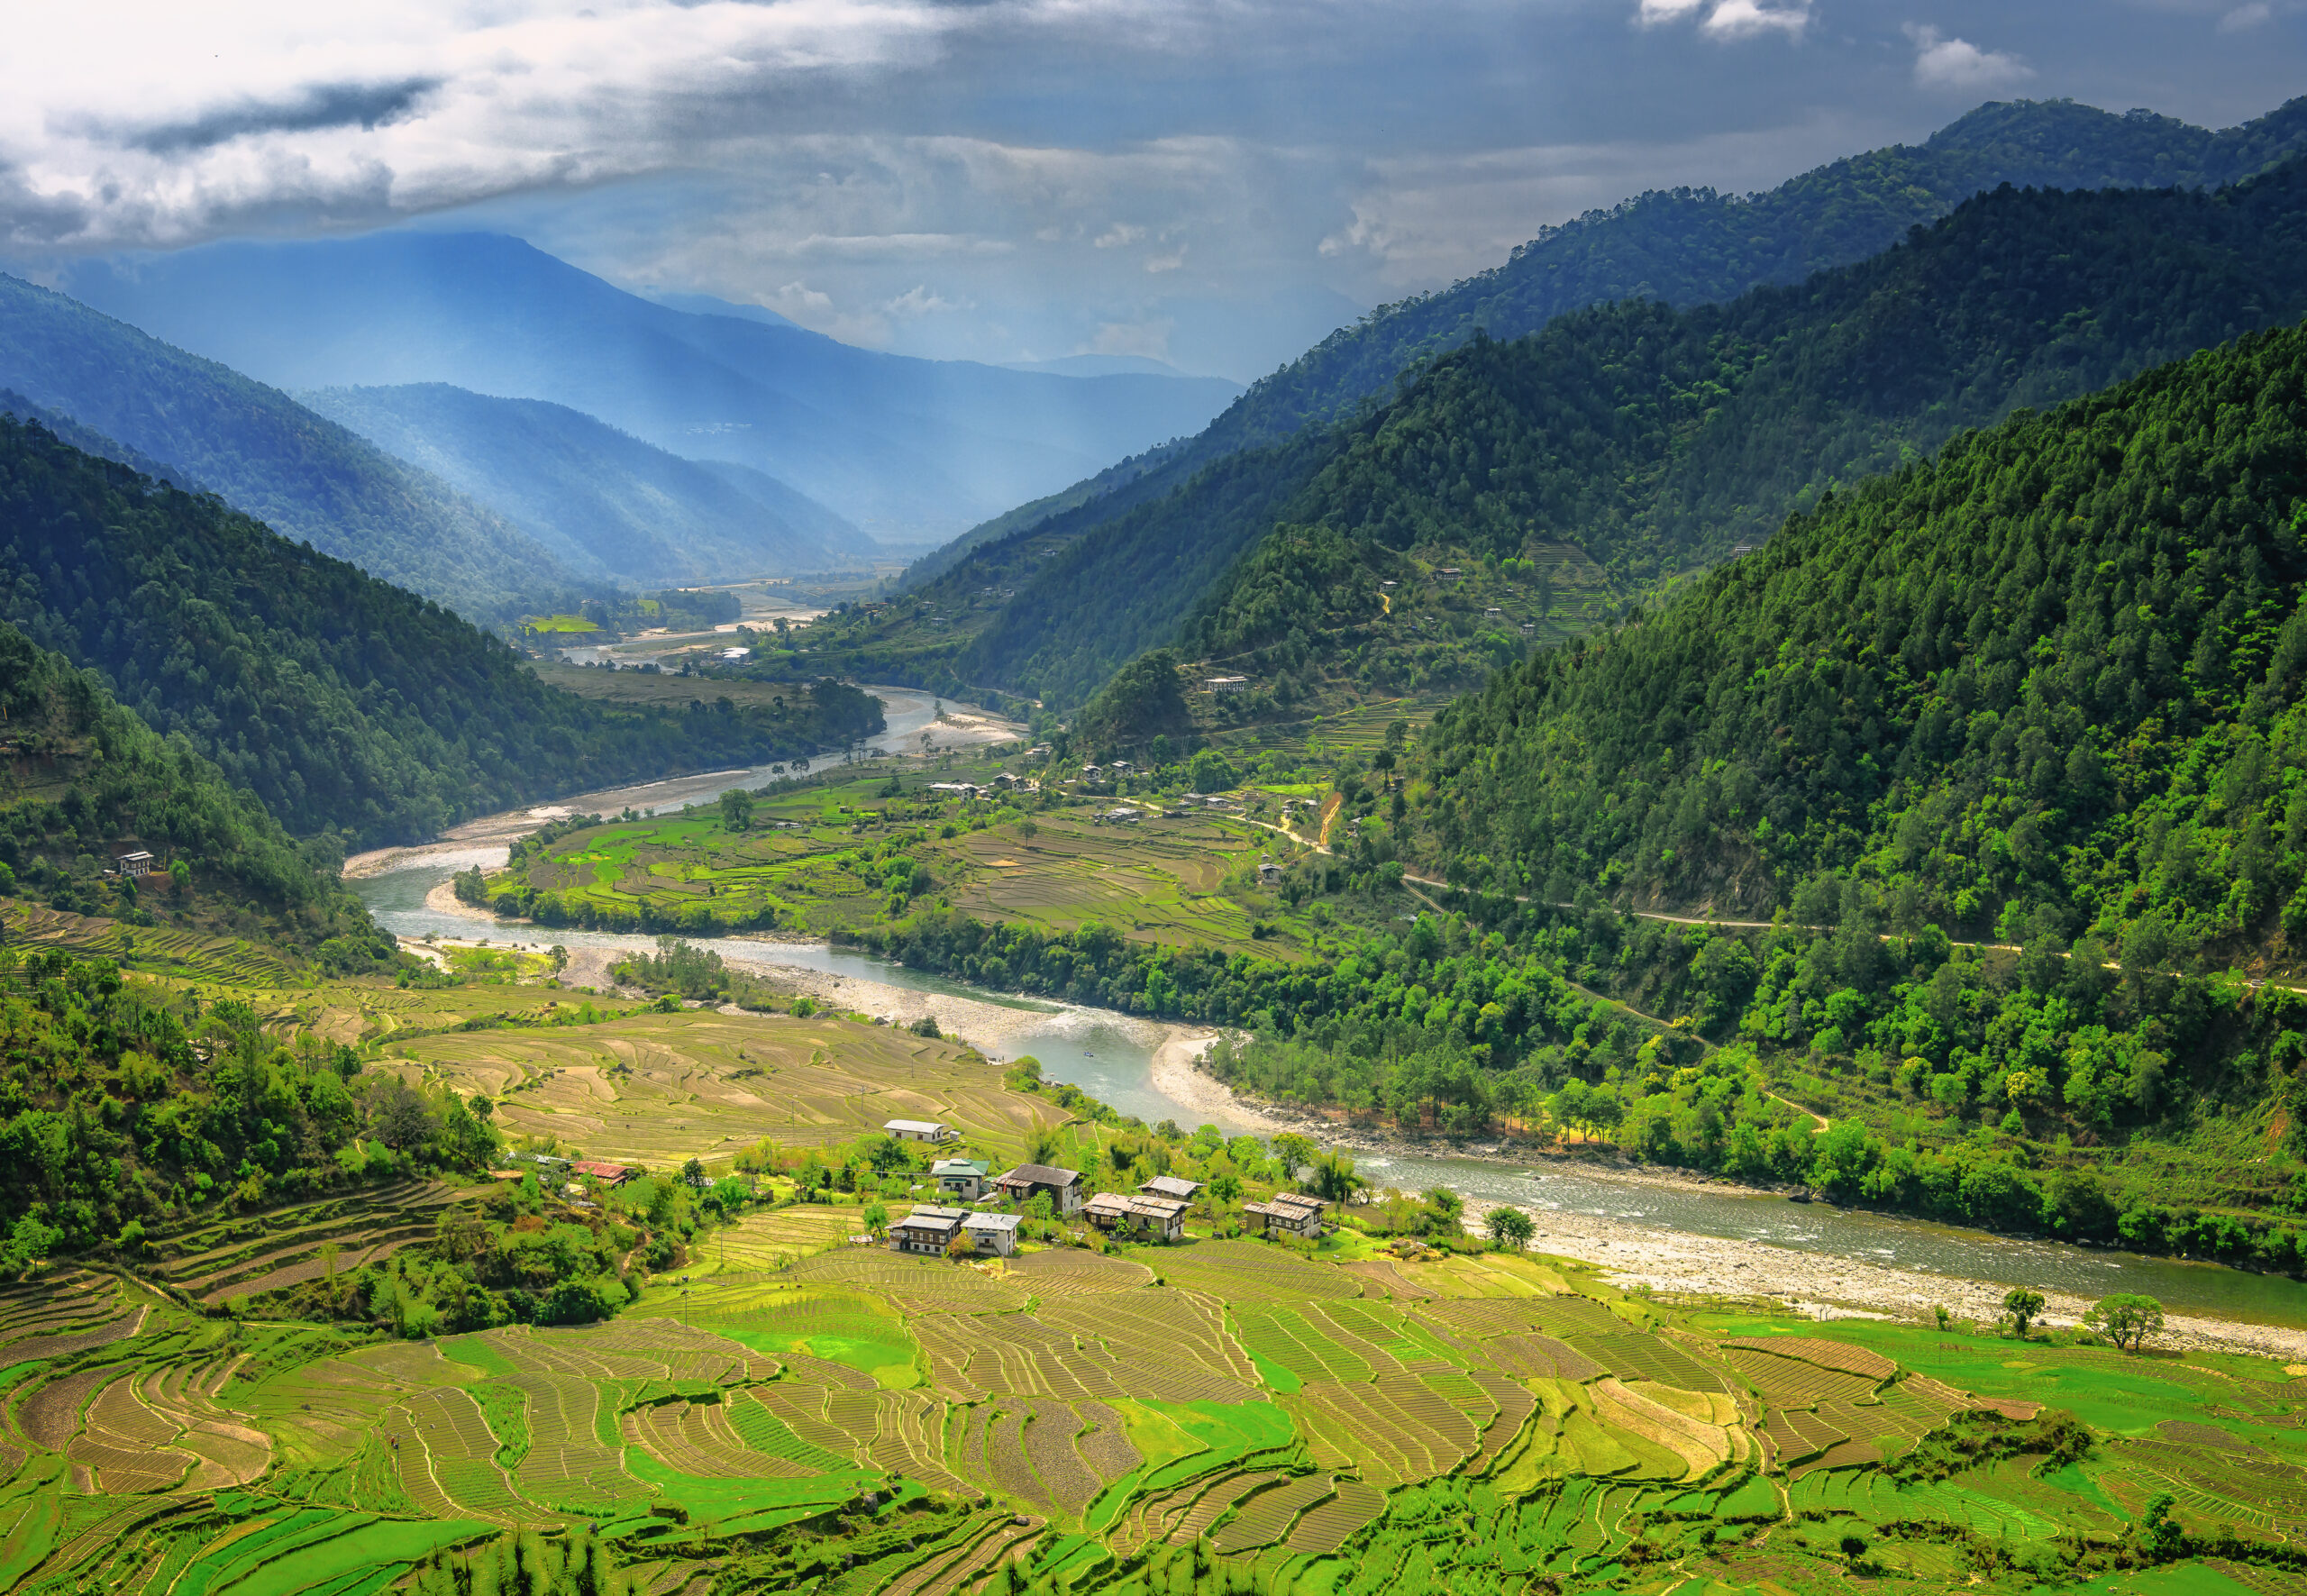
[{"x": 1824, "y": 1287}]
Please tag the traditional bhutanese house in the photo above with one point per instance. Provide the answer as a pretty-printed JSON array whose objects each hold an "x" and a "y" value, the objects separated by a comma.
[
  {"x": 925, "y": 1230},
  {"x": 1107, "y": 1209},
  {"x": 960, "y": 1179},
  {"x": 1028, "y": 1180},
  {"x": 994, "y": 1233},
  {"x": 1175, "y": 1186},
  {"x": 919, "y": 1130},
  {"x": 1290, "y": 1212},
  {"x": 1164, "y": 1216},
  {"x": 607, "y": 1174}
]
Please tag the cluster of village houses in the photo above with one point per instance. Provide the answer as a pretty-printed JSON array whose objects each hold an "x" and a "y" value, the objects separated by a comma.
[{"x": 1158, "y": 1208}]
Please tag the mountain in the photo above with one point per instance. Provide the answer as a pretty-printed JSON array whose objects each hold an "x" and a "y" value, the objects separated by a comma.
[
  {"x": 2052, "y": 681},
  {"x": 87, "y": 779},
  {"x": 338, "y": 700},
  {"x": 906, "y": 448},
  {"x": 302, "y": 473},
  {"x": 1624, "y": 445},
  {"x": 608, "y": 507},
  {"x": 1098, "y": 366},
  {"x": 1685, "y": 247}
]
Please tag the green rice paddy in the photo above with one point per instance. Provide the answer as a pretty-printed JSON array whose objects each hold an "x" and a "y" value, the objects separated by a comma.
[
  {"x": 815, "y": 1415},
  {"x": 844, "y": 855}
]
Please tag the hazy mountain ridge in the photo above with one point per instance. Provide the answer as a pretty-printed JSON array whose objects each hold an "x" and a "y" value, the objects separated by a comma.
[
  {"x": 608, "y": 506},
  {"x": 901, "y": 446},
  {"x": 300, "y": 472}
]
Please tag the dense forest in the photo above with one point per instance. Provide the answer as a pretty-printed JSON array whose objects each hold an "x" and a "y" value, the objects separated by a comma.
[
  {"x": 1650, "y": 439},
  {"x": 1693, "y": 246},
  {"x": 125, "y": 1107},
  {"x": 341, "y": 702},
  {"x": 88, "y": 781},
  {"x": 2046, "y": 684},
  {"x": 1684, "y": 247}
]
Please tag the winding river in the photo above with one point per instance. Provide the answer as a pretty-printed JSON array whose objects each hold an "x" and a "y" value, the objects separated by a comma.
[{"x": 1111, "y": 1060}]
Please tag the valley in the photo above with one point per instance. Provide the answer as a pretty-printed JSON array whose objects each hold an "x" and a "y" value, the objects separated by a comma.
[{"x": 1641, "y": 927}]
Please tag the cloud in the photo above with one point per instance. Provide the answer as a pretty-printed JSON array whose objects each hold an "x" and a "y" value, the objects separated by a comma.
[
  {"x": 1729, "y": 19},
  {"x": 1421, "y": 219},
  {"x": 1742, "y": 19},
  {"x": 1118, "y": 235},
  {"x": 918, "y": 301},
  {"x": 310, "y": 108},
  {"x": 1960, "y": 67},
  {"x": 1169, "y": 262},
  {"x": 1150, "y": 338},
  {"x": 2244, "y": 18},
  {"x": 152, "y": 126}
]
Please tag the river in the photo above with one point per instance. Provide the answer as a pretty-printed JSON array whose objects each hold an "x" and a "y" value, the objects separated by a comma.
[{"x": 1110, "y": 1057}]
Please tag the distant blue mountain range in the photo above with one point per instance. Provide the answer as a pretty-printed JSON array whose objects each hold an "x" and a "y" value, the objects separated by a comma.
[
  {"x": 608, "y": 506},
  {"x": 910, "y": 450}
]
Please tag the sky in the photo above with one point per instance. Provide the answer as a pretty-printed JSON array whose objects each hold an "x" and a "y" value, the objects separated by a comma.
[{"x": 1214, "y": 183}]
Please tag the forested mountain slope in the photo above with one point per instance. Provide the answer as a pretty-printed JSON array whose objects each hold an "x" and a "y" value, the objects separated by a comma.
[
  {"x": 609, "y": 506},
  {"x": 303, "y": 474},
  {"x": 910, "y": 449},
  {"x": 2048, "y": 683},
  {"x": 1687, "y": 246},
  {"x": 85, "y": 781},
  {"x": 1648, "y": 439},
  {"x": 338, "y": 699}
]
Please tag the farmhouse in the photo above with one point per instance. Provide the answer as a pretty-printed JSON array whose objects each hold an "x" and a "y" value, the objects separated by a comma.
[
  {"x": 1269, "y": 872},
  {"x": 1290, "y": 1213},
  {"x": 960, "y": 1179},
  {"x": 991, "y": 1233},
  {"x": 607, "y": 1174},
  {"x": 920, "y": 1130},
  {"x": 1027, "y": 1181},
  {"x": 1175, "y": 1186},
  {"x": 1121, "y": 815},
  {"x": 1226, "y": 684},
  {"x": 135, "y": 865},
  {"x": 925, "y": 1230},
  {"x": 1164, "y": 1216}
]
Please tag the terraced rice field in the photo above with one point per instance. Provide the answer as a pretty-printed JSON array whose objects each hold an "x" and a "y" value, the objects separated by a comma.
[
  {"x": 810, "y": 862},
  {"x": 1229, "y": 1409},
  {"x": 657, "y": 1089}
]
